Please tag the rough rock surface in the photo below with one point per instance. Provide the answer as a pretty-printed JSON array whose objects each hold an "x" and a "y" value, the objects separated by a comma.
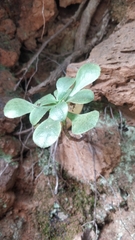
[
  {"x": 65, "y": 3},
  {"x": 36, "y": 13},
  {"x": 122, "y": 180},
  {"x": 8, "y": 27},
  {"x": 8, "y": 174},
  {"x": 79, "y": 158},
  {"x": 116, "y": 58},
  {"x": 9, "y": 44},
  {"x": 7, "y": 83},
  {"x": 27, "y": 21},
  {"x": 9, "y": 50},
  {"x": 10, "y": 145},
  {"x": 121, "y": 221},
  {"x": 8, "y": 58},
  {"x": 6, "y": 125},
  {"x": 6, "y": 201}
]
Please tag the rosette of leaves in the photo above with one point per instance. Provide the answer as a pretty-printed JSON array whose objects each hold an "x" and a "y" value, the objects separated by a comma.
[{"x": 68, "y": 90}]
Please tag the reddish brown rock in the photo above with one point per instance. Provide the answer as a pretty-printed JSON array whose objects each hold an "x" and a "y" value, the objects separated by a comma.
[
  {"x": 8, "y": 174},
  {"x": 122, "y": 223},
  {"x": 7, "y": 125},
  {"x": 2, "y": 13},
  {"x": 9, "y": 45},
  {"x": 116, "y": 58},
  {"x": 34, "y": 14},
  {"x": 65, "y": 3},
  {"x": 30, "y": 43},
  {"x": 8, "y": 58},
  {"x": 78, "y": 158},
  {"x": 10, "y": 145},
  {"x": 130, "y": 14},
  {"x": 7, "y": 83},
  {"x": 9, "y": 50},
  {"x": 6, "y": 201},
  {"x": 8, "y": 27}
]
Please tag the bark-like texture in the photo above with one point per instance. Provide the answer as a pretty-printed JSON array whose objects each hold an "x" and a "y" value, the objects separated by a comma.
[
  {"x": 86, "y": 17},
  {"x": 117, "y": 61},
  {"x": 78, "y": 158},
  {"x": 73, "y": 57}
]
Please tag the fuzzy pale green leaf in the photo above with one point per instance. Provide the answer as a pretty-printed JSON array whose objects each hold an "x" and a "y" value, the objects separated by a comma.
[
  {"x": 56, "y": 94},
  {"x": 46, "y": 100},
  {"x": 82, "y": 123},
  {"x": 63, "y": 87},
  {"x": 64, "y": 83},
  {"x": 59, "y": 112},
  {"x": 82, "y": 97},
  {"x": 17, "y": 107},
  {"x": 87, "y": 74},
  {"x": 37, "y": 113},
  {"x": 47, "y": 133},
  {"x": 62, "y": 96}
]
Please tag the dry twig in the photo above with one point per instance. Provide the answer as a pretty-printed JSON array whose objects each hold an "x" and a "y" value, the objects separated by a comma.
[
  {"x": 73, "y": 57},
  {"x": 36, "y": 55},
  {"x": 87, "y": 15}
]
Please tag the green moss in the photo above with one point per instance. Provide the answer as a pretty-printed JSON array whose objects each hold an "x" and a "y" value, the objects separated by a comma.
[
  {"x": 43, "y": 223},
  {"x": 2, "y": 68},
  {"x": 5, "y": 156},
  {"x": 123, "y": 175},
  {"x": 74, "y": 199},
  {"x": 6, "y": 43},
  {"x": 46, "y": 163}
]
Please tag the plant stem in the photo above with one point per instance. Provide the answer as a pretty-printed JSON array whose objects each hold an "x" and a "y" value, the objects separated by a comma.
[{"x": 68, "y": 134}]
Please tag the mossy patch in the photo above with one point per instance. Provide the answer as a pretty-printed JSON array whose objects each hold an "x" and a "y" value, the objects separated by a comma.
[{"x": 74, "y": 199}]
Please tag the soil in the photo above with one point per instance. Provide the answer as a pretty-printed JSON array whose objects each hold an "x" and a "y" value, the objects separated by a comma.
[{"x": 40, "y": 198}]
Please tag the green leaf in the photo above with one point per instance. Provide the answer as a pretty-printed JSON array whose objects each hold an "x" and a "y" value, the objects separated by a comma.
[
  {"x": 82, "y": 97},
  {"x": 87, "y": 74},
  {"x": 17, "y": 107},
  {"x": 63, "y": 88},
  {"x": 63, "y": 95},
  {"x": 64, "y": 83},
  {"x": 55, "y": 94},
  {"x": 37, "y": 113},
  {"x": 46, "y": 100},
  {"x": 82, "y": 123},
  {"x": 47, "y": 133},
  {"x": 59, "y": 112}
]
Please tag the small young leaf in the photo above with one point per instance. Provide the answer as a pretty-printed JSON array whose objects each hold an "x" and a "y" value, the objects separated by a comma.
[
  {"x": 63, "y": 95},
  {"x": 37, "y": 113},
  {"x": 82, "y": 97},
  {"x": 59, "y": 112},
  {"x": 64, "y": 83},
  {"x": 82, "y": 123},
  {"x": 46, "y": 100},
  {"x": 63, "y": 87},
  {"x": 47, "y": 133},
  {"x": 17, "y": 107},
  {"x": 87, "y": 74}
]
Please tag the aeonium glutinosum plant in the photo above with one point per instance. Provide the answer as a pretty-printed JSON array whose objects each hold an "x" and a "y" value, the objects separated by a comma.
[{"x": 68, "y": 90}]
